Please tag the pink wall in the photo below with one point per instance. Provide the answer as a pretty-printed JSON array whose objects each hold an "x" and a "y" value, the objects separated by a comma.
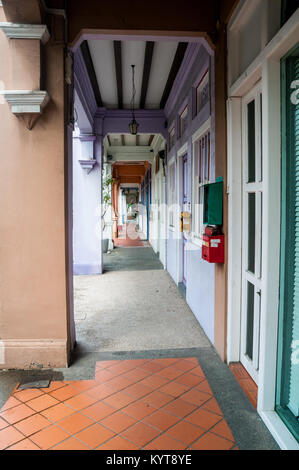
[{"x": 33, "y": 302}]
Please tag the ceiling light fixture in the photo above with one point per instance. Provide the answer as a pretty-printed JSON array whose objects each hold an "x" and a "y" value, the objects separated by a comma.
[{"x": 133, "y": 124}]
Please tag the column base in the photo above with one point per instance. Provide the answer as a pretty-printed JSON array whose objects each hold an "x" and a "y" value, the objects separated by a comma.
[{"x": 33, "y": 354}]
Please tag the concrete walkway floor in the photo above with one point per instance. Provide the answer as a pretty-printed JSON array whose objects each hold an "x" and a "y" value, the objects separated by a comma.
[
  {"x": 127, "y": 310},
  {"x": 143, "y": 375}
]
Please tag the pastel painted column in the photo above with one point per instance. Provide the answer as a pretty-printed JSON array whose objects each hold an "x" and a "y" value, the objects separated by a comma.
[{"x": 87, "y": 183}]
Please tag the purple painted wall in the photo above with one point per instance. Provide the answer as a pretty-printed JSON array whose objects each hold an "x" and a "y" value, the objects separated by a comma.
[{"x": 199, "y": 274}]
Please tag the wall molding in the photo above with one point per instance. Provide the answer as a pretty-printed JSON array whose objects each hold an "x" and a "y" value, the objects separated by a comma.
[
  {"x": 33, "y": 353},
  {"x": 26, "y": 31}
]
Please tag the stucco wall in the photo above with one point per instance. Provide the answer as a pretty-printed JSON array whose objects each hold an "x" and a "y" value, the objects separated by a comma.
[{"x": 33, "y": 305}]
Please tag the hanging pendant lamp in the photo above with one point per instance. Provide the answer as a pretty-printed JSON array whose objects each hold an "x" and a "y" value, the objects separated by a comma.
[{"x": 133, "y": 124}]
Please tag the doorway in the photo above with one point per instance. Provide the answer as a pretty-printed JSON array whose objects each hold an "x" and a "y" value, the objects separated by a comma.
[{"x": 252, "y": 199}]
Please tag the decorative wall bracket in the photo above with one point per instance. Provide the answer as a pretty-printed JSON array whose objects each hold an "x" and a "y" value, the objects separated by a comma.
[
  {"x": 26, "y": 31},
  {"x": 27, "y": 105},
  {"x": 87, "y": 165}
]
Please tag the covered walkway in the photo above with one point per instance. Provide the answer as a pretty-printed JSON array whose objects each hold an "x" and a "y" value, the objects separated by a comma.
[{"x": 144, "y": 375}]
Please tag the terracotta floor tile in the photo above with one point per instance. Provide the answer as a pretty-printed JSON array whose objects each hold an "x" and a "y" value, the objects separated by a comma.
[
  {"x": 64, "y": 393},
  {"x": 137, "y": 374},
  {"x": 204, "y": 387},
  {"x": 138, "y": 390},
  {"x": 10, "y": 403},
  {"x": 152, "y": 367},
  {"x": 119, "y": 383},
  {"x": 212, "y": 406},
  {"x": 83, "y": 385},
  {"x": 170, "y": 373},
  {"x": 9, "y": 436},
  {"x": 95, "y": 435},
  {"x": 174, "y": 389},
  {"x": 189, "y": 379},
  {"x": 212, "y": 442},
  {"x": 185, "y": 365},
  {"x": 223, "y": 430},
  {"x": 203, "y": 418},
  {"x": 179, "y": 408},
  {"x": 26, "y": 395},
  {"x": 195, "y": 397},
  {"x": 55, "y": 385},
  {"x": 100, "y": 391},
  {"x": 32, "y": 424},
  {"x": 42, "y": 403},
  {"x": 166, "y": 362},
  {"x": 98, "y": 411},
  {"x": 71, "y": 444},
  {"x": 119, "y": 400},
  {"x": 26, "y": 444},
  {"x": 81, "y": 401},
  {"x": 139, "y": 410},
  {"x": 140, "y": 434},
  {"x": 198, "y": 371},
  {"x": 3, "y": 424},
  {"x": 185, "y": 432},
  {"x": 13, "y": 415},
  {"x": 118, "y": 421},
  {"x": 161, "y": 420},
  {"x": 121, "y": 367},
  {"x": 193, "y": 360},
  {"x": 75, "y": 423},
  {"x": 49, "y": 437},
  {"x": 58, "y": 412},
  {"x": 154, "y": 381},
  {"x": 165, "y": 442},
  {"x": 158, "y": 399},
  {"x": 118, "y": 443},
  {"x": 103, "y": 375}
]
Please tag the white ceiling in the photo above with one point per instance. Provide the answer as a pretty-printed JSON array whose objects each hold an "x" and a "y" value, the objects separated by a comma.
[
  {"x": 117, "y": 140},
  {"x": 133, "y": 52}
]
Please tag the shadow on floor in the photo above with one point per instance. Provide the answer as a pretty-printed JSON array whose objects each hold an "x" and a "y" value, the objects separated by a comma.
[{"x": 131, "y": 259}]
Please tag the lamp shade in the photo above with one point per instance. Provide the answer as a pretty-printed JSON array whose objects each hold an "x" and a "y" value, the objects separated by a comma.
[{"x": 133, "y": 127}]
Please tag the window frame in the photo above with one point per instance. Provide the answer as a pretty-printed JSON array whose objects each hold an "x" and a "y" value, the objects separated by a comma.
[
  {"x": 203, "y": 82},
  {"x": 201, "y": 175},
  {"x": 171, "y": 193}
]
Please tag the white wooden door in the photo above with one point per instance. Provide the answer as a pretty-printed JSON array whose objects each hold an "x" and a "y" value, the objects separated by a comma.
[{"x": 252, "y": 193}]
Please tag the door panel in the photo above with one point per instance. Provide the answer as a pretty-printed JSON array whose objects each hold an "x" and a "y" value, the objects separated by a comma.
[{"x": 252, "y": 232}]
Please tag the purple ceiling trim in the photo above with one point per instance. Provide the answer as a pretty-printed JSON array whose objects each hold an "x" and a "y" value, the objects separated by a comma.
[
  {"x": 82, "y": 81},
  {"x": 185, "y": 69}
]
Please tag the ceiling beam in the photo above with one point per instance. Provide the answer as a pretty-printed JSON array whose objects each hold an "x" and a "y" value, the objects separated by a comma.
[
  {"x": 118, "y": 69},
  {"x": 148, "y": 57},
  {"x": 177, "y": 62},
  {"x": 91, "y": 72}
]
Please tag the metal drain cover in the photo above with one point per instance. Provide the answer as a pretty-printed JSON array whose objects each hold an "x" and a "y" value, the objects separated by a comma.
[{"x": 36, "y": 384}]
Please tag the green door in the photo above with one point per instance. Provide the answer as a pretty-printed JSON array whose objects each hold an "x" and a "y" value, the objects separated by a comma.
[{"x": 288, "y": 341}]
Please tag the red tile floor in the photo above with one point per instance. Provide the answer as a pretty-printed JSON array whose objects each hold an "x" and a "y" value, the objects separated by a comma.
[
  {"x": 154, "y": 404},
  {"x": 124, "y": 238},
  {"x": 245, "y": 381}
]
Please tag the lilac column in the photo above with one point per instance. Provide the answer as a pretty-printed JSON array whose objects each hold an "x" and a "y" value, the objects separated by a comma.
[{"x": 87, "y": 183}]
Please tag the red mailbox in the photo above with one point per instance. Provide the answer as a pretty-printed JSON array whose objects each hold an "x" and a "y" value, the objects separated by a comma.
[{"x": 213, "y": 246}]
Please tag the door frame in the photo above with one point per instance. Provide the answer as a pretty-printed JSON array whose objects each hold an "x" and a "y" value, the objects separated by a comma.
[{"x": 256, "y": 187}]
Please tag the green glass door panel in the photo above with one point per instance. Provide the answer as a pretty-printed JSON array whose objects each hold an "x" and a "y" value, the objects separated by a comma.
[{"x": 287, "y": 398}]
